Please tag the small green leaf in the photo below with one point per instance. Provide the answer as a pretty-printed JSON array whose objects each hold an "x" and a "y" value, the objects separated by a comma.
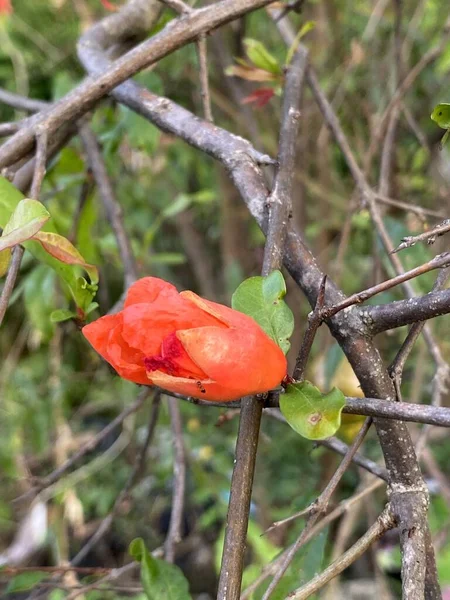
[
  {"x": 10, "y": 197},
  {"x": 5, "y": 259},
  {"x": 25, "y": 581},
  {"x": 261, "y": 57},
  {"x": 274, "y": 287},
  {"x": 61, "y": 314},
  {"x": 262, "y": 299},
  {"x": 159, "y": 578},
  {"x": 60, "y": 248},
  {"x": 302, "y": 32},
  {"x": 310, "y": 413},
  {"x": 27, "y": 219}
]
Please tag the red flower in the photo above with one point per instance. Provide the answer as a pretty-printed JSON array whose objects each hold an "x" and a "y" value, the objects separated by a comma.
[
  {"x": 186, "y": 344},
  {"x": 5, "y": 7}
]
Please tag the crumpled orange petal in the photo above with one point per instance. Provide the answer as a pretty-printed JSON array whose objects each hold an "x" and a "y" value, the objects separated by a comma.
[
  {"x": 223, "y": 354},
  {"x": 186, "y": 344}
]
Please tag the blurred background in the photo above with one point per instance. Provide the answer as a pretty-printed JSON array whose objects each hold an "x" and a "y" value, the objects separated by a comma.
[{"x": 187, "y": 224}]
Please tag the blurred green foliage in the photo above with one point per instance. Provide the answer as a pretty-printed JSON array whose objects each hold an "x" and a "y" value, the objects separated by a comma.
[{"x": 178, "y": 205}]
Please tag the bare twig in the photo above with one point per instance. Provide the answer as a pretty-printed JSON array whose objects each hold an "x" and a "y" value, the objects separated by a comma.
[
  {"x": 342, "y": 508},
  {"x": 397, "y": 365},
  {"x": 384, "y": 522},
  {"x": 319, "y": 507},
  {"x": 438, "y": 262},
  {"x": 428, "y": 236},
  {"x": 239, "y": 503},
  {"x": 204, "y": 82},
  {"x": 314, "y": 321},
  {"x": 247, "y": 442},
  {"x": 174, "y": 534},
  {"x": 10, "y": 280},
  {"x": 112, "y": 207},
  {"x": 280, "y": 199}
]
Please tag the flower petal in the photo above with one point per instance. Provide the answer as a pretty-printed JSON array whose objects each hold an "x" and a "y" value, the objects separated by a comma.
[
  {"x": 146, "y": 325},
  {"x": 245, "y": 361},
  {"x": 204, "y": 390},
  {"x": 105, "y": 335},
  {"x": 229, "y": 316},
  {"x": 97, "y": 332},
  {"x": 148, "y": 290}
]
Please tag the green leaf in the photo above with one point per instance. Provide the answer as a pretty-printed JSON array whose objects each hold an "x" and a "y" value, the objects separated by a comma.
[
  {"x": 27, "y": 219},
  {"x": 310, "y": 413},
  {"x": 61, "y": 314},
  {"x": 262, "y": 299},
  {"x": 159, "y": 578},
  {"x": 5, "y": 259},
  {"x": 261, "y": 57},
  {"x": 308, "y": 26},
  {"x": 60, "y": 248},
  {"x": 10, "y": 197},
  {"x": 25, "y": 581}
]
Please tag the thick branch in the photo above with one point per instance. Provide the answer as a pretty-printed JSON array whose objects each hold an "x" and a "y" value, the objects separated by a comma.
[
  {"x": 382, "y": 317},
  {"x": 176, "y": 34}
]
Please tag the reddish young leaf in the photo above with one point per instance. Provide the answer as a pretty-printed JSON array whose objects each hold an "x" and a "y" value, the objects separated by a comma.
[
  {"x": 108, "y": 5},
  {"x": 60, "y": 248},
  {"x": 259, "y": 97}
]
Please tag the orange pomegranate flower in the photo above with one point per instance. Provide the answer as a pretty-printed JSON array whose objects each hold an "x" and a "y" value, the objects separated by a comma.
[{"x": 186, "y": 344}]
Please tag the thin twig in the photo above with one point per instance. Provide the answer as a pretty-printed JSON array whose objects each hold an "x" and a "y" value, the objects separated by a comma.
[
  {"x": 398, "y": 364},
  {"x": 175, "y": 532},
  {"x": 204, "y": 81},
  {"x": 251, "y": 408},
  {"x": 280, "y": 199},
  {"x": 111, "y": 205},
  {"x": 314, "y": 321},
  {"x": 319, "y": 507},
  {"x": 40, "y": 164},
  {"x": 428, "y": 236},
  {"x": 10, "y": 280},
  {"x": 342, "y": 508},
  {"x": 384, "y": 522},
  {"x": 438, "y": 262}
]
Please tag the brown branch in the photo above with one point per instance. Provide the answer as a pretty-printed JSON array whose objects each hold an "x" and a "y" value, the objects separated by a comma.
[
  {"x": 239, "y": 503},
  {"x": 10, "y": 281},
  {"x": 404, "y": 312},
  {"x": 314, "y": 321},
  {"x": 342, "y": 508},
  {"x": 280, "y": 199},
  {"x": 319, "y": 508},
  {"x": 397, "y": 365},
  {"x": 438, "y": 262},
  {"x": 247, "y": 443},
  {"x": 384, "y": 522},
  {"x": 428, "y": 236},
  {"x": 204, "y": 83},
  {"x": 111, "y": 205},
  {"x": 174, "y": 534},
  {"x": 176, "y": 34}
]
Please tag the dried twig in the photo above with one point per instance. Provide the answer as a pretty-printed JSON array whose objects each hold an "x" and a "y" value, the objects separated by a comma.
[
  {"x": 179, "y": 482},
  {"x": 204, "y": 82},
  {"x": 427, "y": 236},
  {"x": 318, "y": 508},
  {"x": 314, "y": 320},
  {"x": 384, "y": 522},
  {"x": 112, "y": 207}
]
